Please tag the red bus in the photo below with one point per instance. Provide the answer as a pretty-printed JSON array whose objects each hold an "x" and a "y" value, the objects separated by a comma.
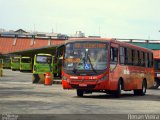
[
  {"x": 156, "y": 55},
  {"x": 106, "y": 65}
]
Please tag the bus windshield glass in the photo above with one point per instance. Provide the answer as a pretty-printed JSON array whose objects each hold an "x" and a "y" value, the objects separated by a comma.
[
  {"x": 8, "y": 60},
  {"x": 16, "y": 60},
  {"x": 157, "y": 64},
  {"x": 44, "y": 59},
  {"x": 26, "y": 60},
  {"x": 88, "y": 56}
]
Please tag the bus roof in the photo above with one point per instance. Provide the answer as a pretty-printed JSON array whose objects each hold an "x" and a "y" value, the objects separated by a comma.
[
  {"x": 16, "y": 57},
  {"x": 26, "y": 57},
  {"x": 113, "y": 40},
  {"x": 44, "y": 54}
]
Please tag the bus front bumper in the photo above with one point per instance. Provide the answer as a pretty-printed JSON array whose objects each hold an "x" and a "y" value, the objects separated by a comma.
[{"x": 101, "y": 85}]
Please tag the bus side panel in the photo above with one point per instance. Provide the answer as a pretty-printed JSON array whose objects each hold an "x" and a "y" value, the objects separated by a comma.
[
  {"x": 16, "y": 66},
  {"x": 132, "y": 76},
  {"x": 127, "y": 74},
  {"x": 150, "y": 77},
  {"x": 26, "y": 66},
  {"x": 114, "y": 76}
]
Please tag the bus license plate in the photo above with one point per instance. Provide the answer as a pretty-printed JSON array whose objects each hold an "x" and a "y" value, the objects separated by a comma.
[{"x": 83, "y": 85}]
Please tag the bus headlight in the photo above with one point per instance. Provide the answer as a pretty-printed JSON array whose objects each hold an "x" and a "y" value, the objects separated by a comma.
[
  {"x": 103, "y": 78},
  {"x": 64, "y": 78}
]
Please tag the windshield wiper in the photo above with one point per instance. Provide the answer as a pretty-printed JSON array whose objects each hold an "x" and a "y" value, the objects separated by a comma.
[
  {"x": 91, "y": 64},
  {"x": 75, "y": 69}
]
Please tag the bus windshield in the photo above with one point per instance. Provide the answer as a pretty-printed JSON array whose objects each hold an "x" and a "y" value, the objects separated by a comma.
[
  {"x": 44, "y": 59},
  {"x": 7, "y": 60},
  {"x": 157, "y": 64},
  {"x": 26, "y": 60},
  {"x": 88, "y": 56},
  {"x": 16, "y": 60}
]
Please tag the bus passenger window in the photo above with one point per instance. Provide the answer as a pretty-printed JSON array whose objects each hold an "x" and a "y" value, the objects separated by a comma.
[
  {"x": 146, "y": 60},
  {"x": 122, "y": 55},
  {"x": 133, "y": 57},
  {"x": 126, "y": 56},
  {"x": 150, "y": 59},
  {"x": 113, "y": 58},
  {"x": 141, "y": 58},
  {"x": 129, "y": 55},
  {"x": 114, "y": 55}
]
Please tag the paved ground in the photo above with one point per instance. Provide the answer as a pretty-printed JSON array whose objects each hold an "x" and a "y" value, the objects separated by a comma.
[{"x": 19, "y": 96}]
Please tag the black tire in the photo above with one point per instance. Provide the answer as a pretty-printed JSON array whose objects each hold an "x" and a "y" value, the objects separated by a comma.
[
  {"x": 156, "y": 84},
  {"x": 143, "y": 90},
  {"x": 80, "y": 93},
  {"x": 119, "y": 89}
]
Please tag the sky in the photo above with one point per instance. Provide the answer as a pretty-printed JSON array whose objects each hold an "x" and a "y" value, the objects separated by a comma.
[{"x": 137, "y": 19}]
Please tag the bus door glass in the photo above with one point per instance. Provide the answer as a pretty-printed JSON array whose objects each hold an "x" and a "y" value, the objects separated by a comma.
[{"x": 113, "y": 56}]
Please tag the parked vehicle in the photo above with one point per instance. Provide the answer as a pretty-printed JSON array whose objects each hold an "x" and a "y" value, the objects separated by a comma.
[
  {"x": 106, "y": 65},
  {"x": 25, "y": 64}
]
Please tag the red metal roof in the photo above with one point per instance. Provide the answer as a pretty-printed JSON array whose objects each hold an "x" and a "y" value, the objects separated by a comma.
[{"x": 8, "y": 45}]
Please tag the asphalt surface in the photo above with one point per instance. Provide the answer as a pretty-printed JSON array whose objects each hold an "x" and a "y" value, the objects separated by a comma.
[{"x": 19, "y": 96}]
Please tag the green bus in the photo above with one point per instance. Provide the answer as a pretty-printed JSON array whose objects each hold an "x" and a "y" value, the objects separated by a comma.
[
  {"x": 7, "y": 63},
  {"x": 25, "y": 64},
  {"x": 42, "y": 64},
  {"x": 15, "y": 63}
]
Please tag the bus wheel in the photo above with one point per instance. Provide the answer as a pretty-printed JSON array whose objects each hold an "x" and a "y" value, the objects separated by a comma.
[
  {"x": 156, "y": 84},
  {"x": 119, "y": 89},
  {"x": 80, "y": 93},
  {"x": 143, "y": 90}
]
